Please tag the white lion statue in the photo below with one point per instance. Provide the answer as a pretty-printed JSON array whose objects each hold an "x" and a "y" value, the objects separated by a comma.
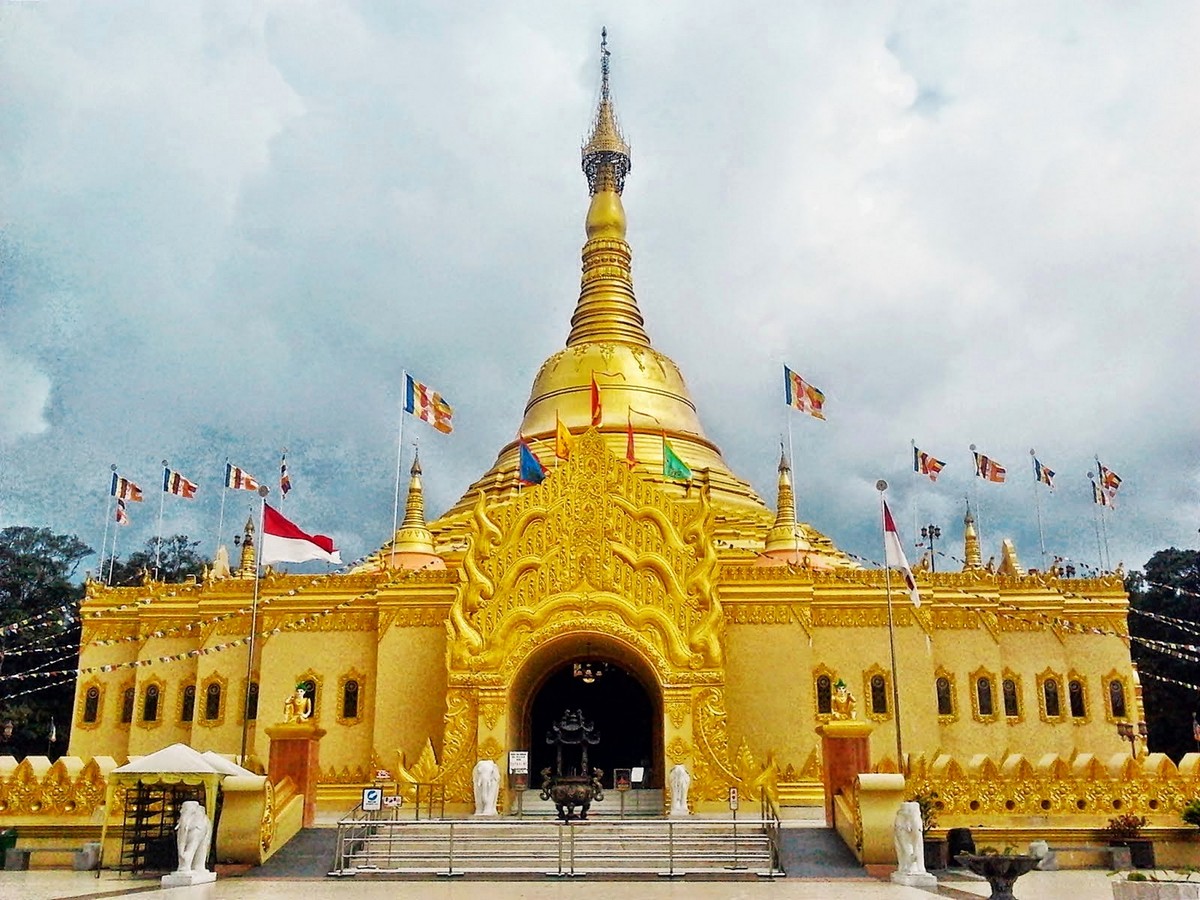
[
  {"x": 192, "y": 836},
  {"x": 909, "y": 838},
  {"x": 681, "y": 781},
  {"x": 486, "y": 778}
]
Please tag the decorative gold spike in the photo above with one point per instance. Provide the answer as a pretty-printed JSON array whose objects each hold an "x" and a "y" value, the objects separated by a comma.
[{"x": 972, "y": 556}]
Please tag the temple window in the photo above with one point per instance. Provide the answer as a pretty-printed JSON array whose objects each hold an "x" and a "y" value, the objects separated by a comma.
[
  {"x": 1050, "y": 692},
  {"x": 187, "y": 711},
  {"x": 983, "y": 695},
  {"x": 1075, "y": 695},
  {"x": 350, "y": 700},
  {"x": 824, "y": 695},
  {"x": 1012, "y": 703},
  {"x": 945, "y": 697},
  {"x": 212, "y": 702},
  {"x": 252, "y": 702},
  {"x": 91, "y": 705},
  {"x": 1116, "y": 695},
  {"x": 878, "y": 695},
  {"x": 127, "y": 699},
  {"x": 150, "y": 704}
]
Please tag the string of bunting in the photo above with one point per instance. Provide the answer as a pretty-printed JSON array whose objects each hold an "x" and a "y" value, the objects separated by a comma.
[
  {"x": 1181, "y": 624},
  {"x": 202, "y": 651},
  {"x": 67, "y": 610},
  {"x": 38, "y": 688},
  {"x": 1166, "y": 650},
  {"x": 1175, "y": 681}
]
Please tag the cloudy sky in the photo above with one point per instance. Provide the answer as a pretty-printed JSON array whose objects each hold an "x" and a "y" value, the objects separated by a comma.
[{"x": 227, "y": 228}]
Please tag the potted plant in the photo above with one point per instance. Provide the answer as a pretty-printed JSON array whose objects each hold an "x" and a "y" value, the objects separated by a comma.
[
  {"x": 1125, "y": 830},
  {"x": 937, "y": 854},
  {"x": 1191, "y": 813},
  {"x": 1155, "y": 886}
]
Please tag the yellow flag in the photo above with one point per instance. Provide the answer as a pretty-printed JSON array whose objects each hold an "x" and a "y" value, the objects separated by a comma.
[{"x": 564, "y": 441}]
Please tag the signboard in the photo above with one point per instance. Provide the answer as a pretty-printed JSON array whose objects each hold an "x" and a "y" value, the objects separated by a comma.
[
  {"x": 622, "y": 779},
  {"x": 733, "y": 798},
  {"x": 372, "y": 800},
  {"x": 518, "y": 762},
  {"x": 393, "y": 802},
  {"x": 638, "y": 774}
]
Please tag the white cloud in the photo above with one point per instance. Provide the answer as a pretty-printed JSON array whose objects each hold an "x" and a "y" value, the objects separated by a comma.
[{"x": 24, "y": 398}]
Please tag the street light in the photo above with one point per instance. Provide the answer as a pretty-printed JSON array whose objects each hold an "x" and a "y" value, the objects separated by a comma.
[
  {"x": 931, "y": 533},
  {"x": 1127, "y": 732}
]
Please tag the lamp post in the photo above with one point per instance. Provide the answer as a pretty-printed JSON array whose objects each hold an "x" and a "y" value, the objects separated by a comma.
[
  {"x": 929, "y": 534},
  {"x": 1130, "y": 733}
]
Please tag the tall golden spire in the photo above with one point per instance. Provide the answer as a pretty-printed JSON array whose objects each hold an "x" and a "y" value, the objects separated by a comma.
[
  {"x": 972, "y": 557},
  {"x": 413, "y": 536},
  {"x": 607, "y": 309},
  {"x": 248, "y": 562}
]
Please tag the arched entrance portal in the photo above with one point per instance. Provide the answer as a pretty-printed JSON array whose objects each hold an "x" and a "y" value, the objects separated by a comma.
[{"x": 615, "y": 702}]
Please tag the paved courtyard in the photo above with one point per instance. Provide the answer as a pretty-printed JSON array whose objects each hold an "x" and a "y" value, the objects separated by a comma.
[{"x": 53, "y": 885}]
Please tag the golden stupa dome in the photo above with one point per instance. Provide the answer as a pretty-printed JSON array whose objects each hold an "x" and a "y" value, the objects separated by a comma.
[{"x": 638, "y": 388}]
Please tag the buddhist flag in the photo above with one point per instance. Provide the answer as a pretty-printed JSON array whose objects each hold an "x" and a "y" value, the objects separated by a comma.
[
  {"x": 1100, "y": 496},
  {"x": 924, "y": 464},
  {"x": 597, "y": 410},
  {"x": 630, "y": 456},
  {"x": 239, "y": 479},
  {"x": 427, "y": 404},
  {"x": 124, "y": 489},
  {"x": 531, "y": 469},
  {"x": 1043, "y": 474},
  {"x": 894, "y": 556},
  {"x": 988, "y": 469},
  {"x": 122, "y": 516},
  {"x": 564, "y": 441},
  {"x": 801, "y": 395},
  {"x": 674, "y": 468},
  {"x": 285, "y": 480},
  {"x": 282, "y": 541},
  {"x": 1110, "y": 481},
  {"x": 175, "y": 483}
]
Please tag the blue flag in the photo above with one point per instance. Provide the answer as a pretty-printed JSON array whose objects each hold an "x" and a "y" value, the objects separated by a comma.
[{"x": 532, "y": 471}]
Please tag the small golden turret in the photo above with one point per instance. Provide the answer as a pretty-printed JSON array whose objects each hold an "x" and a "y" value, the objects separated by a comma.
[
  {"x": 1010, "y": 563},
  {"x": 785, "y": 534},
  {"x": 247, "y": 568},
  {"x": 972, "y": 556},
  {"x": 412, "y": 546}
]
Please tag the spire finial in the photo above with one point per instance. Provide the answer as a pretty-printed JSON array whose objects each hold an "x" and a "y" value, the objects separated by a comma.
[{"x": 604, "y": 54}]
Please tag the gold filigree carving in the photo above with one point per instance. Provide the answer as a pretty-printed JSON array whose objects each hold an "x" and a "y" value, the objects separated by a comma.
[
  {"x": 1106, "y": 683},
  {"x": 945, "y": 695},
  {"x": 490, "y": 749},
  {"x": 677, "y": 711},
  {"x": 983, "y": 687},
  {"x": 678, "y": 750},
  {"x": 1013, "y": 717},
  {"x": 1050, "y": 676}
]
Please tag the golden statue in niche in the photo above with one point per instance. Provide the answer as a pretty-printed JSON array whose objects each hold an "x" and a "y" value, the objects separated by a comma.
[
  {"x": 843, "y": 701},
  {"x": 297, "y": 707}
]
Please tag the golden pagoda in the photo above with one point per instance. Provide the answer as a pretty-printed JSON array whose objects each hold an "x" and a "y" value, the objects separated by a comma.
[{"x": 719, "y": 626}]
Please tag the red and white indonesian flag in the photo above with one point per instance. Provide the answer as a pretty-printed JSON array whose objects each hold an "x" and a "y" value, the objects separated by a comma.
[
  {"x": 894, "y": 554},
  {"x": 282, "y": 541}
]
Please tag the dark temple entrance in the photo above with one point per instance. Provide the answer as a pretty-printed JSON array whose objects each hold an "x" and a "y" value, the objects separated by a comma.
[{"x": 619, "y": 706}]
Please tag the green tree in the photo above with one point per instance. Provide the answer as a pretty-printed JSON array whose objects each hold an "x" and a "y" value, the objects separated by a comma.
[
  {"x": 171, "y": 559},
  {"x": 39, "y": 618},
  {"x": 1169, "y": 586}
]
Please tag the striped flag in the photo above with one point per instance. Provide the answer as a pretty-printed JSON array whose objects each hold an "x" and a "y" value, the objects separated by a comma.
[
  {"x": 1100, "y": 496},
  {"x": 1042, "y": 474},
  {"x": 988, "y": 469},
  {"x": 124, "y": 489},
  {"x": 239, "y": 479},
  {"x": 427, "y": 405},
  {"x": 175, "y": 483},
  {"x": 893, "y": 553},
  {"x": 801, "y": 395},
  {"x": 122, "y": 515},
  {"x": 285, "y": 481},
  {"x": 924, "y": 464}
]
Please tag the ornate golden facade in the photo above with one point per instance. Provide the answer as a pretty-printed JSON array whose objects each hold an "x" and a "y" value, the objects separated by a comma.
[{"x": 733, "y": 619}]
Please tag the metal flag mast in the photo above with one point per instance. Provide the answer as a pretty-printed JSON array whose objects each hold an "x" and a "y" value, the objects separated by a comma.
[
  {"x": 224, "y": 491},
  {"x": 263, "y": 490},
  {"x": 399, "y": 455},
  {"x": 1103, "y": 524},
  {"x": 882, "y": 486},
  {"x": 162, "y": 499},
  {"x": 975, "y": 495},
  {"x": 1037, "y": 503},
  {"x": 107, "y": 520}
]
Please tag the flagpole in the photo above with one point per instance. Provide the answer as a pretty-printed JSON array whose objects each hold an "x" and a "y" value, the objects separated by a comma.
[
  {"x": 1097, "y": 486},
  {"x": 975, "y": 497},
  {"x": 224, "y": 491},
  {"x": 916, "y": 530},
  {"x": 1107, "y": 560},
  {"x": 112, "y": 560},
  {"x": 263, "y": 490},
  {"x": 107, "y": 519},
  {"x": 1037, "y": 502},
  {"x": 882, "y": 486},
  {"x": 162, "y": 499},
  {"x": 399, "y": 458}
]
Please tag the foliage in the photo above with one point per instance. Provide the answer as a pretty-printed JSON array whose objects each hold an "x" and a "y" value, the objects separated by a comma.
[
  {"x": 40, "y": 598},
  {"x": 171, "y": 559},
  {"x": 1169, "y": 586},
  {"x": 927, "y": 802},
  {"x": 1191, "y": 813},
  {"x": 1125, "y": 827}
]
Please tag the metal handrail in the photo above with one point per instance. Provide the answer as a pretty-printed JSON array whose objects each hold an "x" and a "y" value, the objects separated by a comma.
[
  {"x": 769, "y": 813},
  {"x": 376, "y": 842}
]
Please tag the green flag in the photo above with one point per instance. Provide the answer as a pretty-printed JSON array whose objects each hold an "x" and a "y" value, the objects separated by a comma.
[{"x": 674, "y": 467}]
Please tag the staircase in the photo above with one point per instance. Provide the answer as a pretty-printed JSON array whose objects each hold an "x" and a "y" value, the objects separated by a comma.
[{"x": 603, "y": 845}]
